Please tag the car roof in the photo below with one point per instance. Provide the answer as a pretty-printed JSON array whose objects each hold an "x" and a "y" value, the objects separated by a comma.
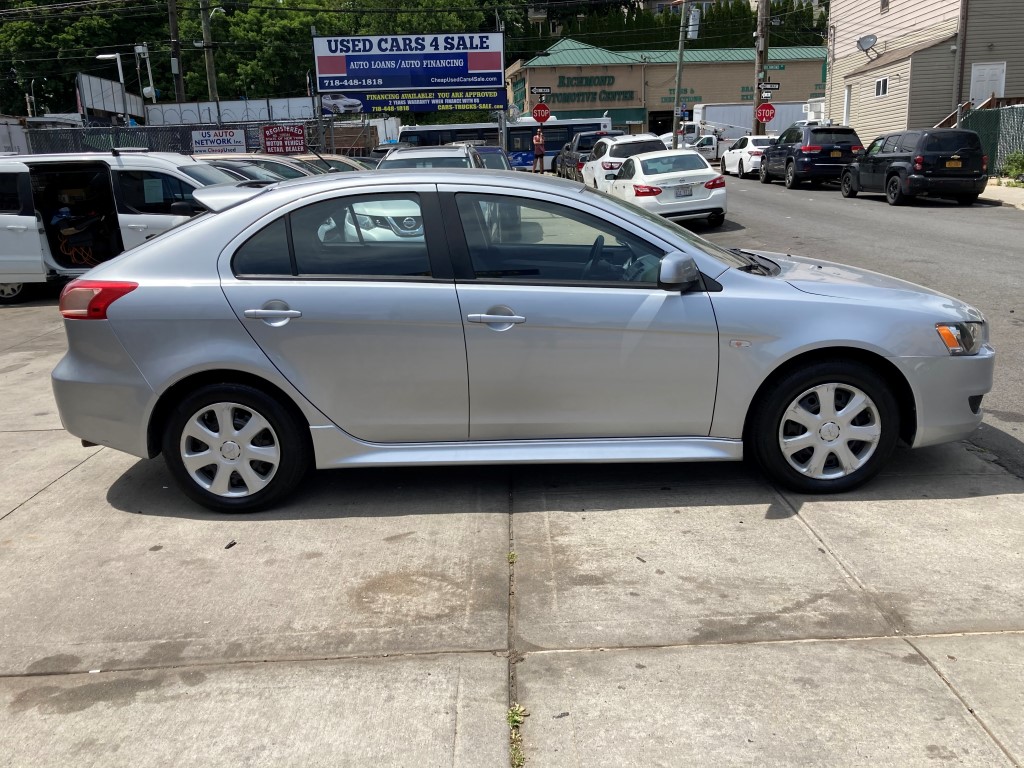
[
  {"x": 665, "y": 153},
  {"x": 441, "y": 151},
  {"x": 630, "y": 137}
]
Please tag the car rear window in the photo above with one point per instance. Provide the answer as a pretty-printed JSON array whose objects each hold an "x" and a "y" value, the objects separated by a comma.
[
  {"x": 760, "y": 142},
  {"x": 425, "y": 162},
  {"x": 636, "y": 148},
  {"x": 951, "y": 142},
  {"x": 833, "y": 136},
  {"x": 673, "y": 164}
]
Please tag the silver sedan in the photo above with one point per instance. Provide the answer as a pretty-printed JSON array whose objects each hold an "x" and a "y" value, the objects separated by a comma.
[{"x": 454, "y": 317}]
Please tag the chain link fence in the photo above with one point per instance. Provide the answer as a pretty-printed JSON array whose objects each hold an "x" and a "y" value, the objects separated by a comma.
[
  {"x": 1001, "y": 131},
  {"x": 320, "y": 137}
]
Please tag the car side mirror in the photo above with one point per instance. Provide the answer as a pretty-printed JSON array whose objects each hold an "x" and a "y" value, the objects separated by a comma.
[
  {"x": 611, "y": 176},
  {"x": 182, "y": 208},
  {"x": 678, "y": 272},
  {"x": 772, "y": 142},
  {"x": 861, "y": 152}
]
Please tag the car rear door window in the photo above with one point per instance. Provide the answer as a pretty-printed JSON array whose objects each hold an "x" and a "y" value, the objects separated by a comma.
[
  {"x": 523, "y": 240},
  {"x": 265, "y": 254},
  {"x": 890, "y": 143},
  {"x": 908, "y": 142}
]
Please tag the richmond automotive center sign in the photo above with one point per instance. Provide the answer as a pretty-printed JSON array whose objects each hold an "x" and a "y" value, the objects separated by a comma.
[{"x": 385, "y": 71}]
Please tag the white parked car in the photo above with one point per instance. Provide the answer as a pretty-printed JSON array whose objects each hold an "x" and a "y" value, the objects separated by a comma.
[
  {"x": 674, "y": 183},
  {"x": 744, "y": 157},
  {"x": 339, "y": 103},
  {"x": 609, "y": 153}
]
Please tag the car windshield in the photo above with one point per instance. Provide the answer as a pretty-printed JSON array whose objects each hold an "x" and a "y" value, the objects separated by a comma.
[
  {"x": 673, "y": 164},
  {"x": 253, "y": 171},
  {"x": 760, "y": 142},
  {"x": 831, "y": 136},
  {"x": 306, "y": 165},
  {"x": 495, "y": 160},
  {"x": 731, "y": 258},
  {"x": 424, "y": 162},
  {"x": 951, "y": 142},
  {"x": 206, "y": 174},
  {"x": 636, "y": 148},
  {"x": 283, "y": 170}
]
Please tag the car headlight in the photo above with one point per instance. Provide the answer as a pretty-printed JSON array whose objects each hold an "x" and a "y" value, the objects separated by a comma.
[{"x": 962, "y": 338}]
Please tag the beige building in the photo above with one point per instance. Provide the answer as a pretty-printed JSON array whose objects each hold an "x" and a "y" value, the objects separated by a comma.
[
  {"x": 637, "y": 88},
  {"x": 908, "y": 63}
]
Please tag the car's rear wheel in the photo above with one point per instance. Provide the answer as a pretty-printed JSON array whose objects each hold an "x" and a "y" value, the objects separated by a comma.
[
  {"x": 233, "y": 448},
  {"x": 967, "y": 200},
  {"x": 716, "y": 219},
  {"x": 792, "y": 182},
  {"x": 894, "y": 191},
  {"x": 13, "y": 293},
  {"x": 846, "y": 185},
  {"x": 824, "y": 428},
  {"x": 762, "y": 174},
  {"x": 739, "y": 170}
]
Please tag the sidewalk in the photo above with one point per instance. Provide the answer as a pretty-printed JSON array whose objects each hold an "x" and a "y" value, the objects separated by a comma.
[{"x": 1013, "y": 196}]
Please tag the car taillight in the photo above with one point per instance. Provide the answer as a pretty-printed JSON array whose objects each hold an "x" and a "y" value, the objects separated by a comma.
[
  {"x": 919, "y": 163},
  {"x": 642, "y": 190},
  {"x": 811, "y": 148},
  {"x": 756, "y": 153},
  {"x": 610, "y": 166},
  {"x": 580, "y": 164},
  {"x": 984, "y": 163},
  {"x": 716, "y": 183},
  {"x": 89, "y": 299},
  {"x": 856, "y": 148}
]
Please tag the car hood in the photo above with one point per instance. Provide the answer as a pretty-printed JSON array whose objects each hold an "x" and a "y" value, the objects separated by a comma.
[{"x": 825, "y": 278}]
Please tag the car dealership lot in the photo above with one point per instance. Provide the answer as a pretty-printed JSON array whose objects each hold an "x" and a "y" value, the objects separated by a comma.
[{"x": 659, "y": 614}]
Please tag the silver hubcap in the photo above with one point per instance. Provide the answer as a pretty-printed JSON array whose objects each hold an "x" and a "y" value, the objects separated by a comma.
[
  {"x": 10, "y": 290},
  {"x": 829, "y": 431},
  {"x": 230, "y": 450}
]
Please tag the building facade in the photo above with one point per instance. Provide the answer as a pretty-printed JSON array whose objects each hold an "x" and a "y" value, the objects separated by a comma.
[
  {"x": 897, "y": 64},
  {"x": 637, "y": 88}
]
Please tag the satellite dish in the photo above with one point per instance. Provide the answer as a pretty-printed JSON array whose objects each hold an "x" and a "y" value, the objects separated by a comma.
[{"x": 867, "y": 42}]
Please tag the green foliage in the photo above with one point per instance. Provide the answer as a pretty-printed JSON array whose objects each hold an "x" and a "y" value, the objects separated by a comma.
[{"x": 1014, "y": 164}]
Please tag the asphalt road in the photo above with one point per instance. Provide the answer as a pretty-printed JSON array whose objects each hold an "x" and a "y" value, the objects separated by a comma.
[{"x": 971, "y": 253}]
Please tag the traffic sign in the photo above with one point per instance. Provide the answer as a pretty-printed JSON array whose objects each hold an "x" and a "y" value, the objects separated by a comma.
[
  {"x": 536, "y": 89},
  {"x": 774, "y": 66},
  {"x": 541, "y": 112},
  {"x": 765, "y": 113},
  {"x": 769, "y": 86},
  {"x": 766, "y": 95}
]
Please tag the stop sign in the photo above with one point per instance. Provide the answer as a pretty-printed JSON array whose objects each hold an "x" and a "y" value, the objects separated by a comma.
[
  {"x": 541, "y": 112},
  {"x": 765, "y": 113}
]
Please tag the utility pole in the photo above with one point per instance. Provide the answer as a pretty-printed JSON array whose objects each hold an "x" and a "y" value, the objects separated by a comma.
[
  {"x": 176, "y": 73},
  {"x": 211, "y": 72},
  {"x": 760, "y": 57},
  {"x": 676, "y": 103}
]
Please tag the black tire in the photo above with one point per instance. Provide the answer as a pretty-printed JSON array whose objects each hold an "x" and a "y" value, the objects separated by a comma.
[
  {"x": 894, "y": 191},
  {"x": 284, "y": 438},
  {"x": 846, "y": 185},
  {"x": 967, "y": 200},
  {"x": 762, "y": 175},
  {"x": 769, "y": 425},
  {"x": 740, "y": 173},
  {"x": 791, "y": 181},
  {"x": 14, "y": 293},
  {"x": 716, "y": 219},
  {"x": 722, "y": 168}
]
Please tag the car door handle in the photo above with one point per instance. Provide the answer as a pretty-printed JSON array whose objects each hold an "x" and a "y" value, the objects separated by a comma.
[
  {"x": 16, "y": 227},
  {"x": 269, "y": 314},
  {"x": 137, "y": 227},
  {"x": 475, "y": 318}
]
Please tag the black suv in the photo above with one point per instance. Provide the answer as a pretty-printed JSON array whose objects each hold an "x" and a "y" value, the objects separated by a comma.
[
  {"x": 569, "y": 161},
  {"x": 809, "y": 152},
  {"x": 942, "y": 162}
]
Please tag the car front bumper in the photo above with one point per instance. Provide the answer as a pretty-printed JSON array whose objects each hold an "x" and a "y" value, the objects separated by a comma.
[{"x": 947, "y": 394}]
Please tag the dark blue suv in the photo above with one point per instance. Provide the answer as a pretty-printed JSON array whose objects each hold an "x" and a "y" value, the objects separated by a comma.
[{"x": 809, "y": 152}]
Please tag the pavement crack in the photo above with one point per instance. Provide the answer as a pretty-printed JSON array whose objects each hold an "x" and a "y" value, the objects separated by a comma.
[
  {"x": 966, "y": 704},
  {"x": 47, "y": 486}
]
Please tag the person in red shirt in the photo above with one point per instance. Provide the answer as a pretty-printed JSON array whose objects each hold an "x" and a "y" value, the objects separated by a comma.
[{"x": 538, "y": 151}]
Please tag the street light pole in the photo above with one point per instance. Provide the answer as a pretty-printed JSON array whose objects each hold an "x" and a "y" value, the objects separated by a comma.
[
  {"x": 679, "y": 73},
  {"x": 120, "y": 77},
  {"x": 211, "y": 73},
  {"x": 143, "y": 51}
]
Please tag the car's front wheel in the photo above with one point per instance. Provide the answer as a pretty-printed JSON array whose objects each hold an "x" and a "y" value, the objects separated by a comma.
[
  {"x": 724, "y": 169},
  {"x": 762, "y": 174},
  {"x": 13, "y": 293},
  {"x": 846, "y": 185},
  {"x": 233, "y": 448},
  {"x": 824, "y": 428}
]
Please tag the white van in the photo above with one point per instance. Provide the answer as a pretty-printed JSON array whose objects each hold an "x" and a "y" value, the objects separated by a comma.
[{"x": 61, "y": 215}]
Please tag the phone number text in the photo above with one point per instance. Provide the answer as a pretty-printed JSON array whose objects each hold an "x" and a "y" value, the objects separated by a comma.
[{"x": 334, "y": 82}]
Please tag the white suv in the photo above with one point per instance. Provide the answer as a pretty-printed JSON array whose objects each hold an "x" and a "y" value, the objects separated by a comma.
[{"x": 609, "y": 153}]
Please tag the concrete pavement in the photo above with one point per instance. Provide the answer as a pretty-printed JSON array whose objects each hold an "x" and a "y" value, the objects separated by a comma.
[
  {"x": 650, "y": 615},
  {"x": 1013, "y": 196}
]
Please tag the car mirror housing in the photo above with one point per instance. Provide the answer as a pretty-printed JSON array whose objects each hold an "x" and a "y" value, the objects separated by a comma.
[
  {"x": 772, "y": 142},
  {"x": 678, "y": 272},
  {"x": 611, "y": 176},
  {"x": 860, "y": 152}
]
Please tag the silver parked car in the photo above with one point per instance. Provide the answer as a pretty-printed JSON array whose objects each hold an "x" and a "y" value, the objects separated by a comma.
[{"x": 463, "y": 316}]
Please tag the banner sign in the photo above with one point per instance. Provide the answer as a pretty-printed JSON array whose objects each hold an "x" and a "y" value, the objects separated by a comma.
[
  {"x": 428, "y": 101},
  {"x": 410, "y": 62},
  {"x": 225, "y": 140},
  {"x": 284, "y": 139}
]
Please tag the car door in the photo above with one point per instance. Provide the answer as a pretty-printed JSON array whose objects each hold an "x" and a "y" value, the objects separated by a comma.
[
  {"x": 144, "y": 199},
  {"x": 731, "y": 158},
  {"x": 622, "y": 184},
  {"x": 21, "y": 239},
  {"x": 567, "y": 332},
  {"x": 869, "y": 177},
  {"x": 351, "y": 297},
  {"x": 590, "y": 168}
]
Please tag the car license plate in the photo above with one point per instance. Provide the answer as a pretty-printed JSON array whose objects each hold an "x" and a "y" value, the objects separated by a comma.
[
  {"x": 953, "y": 164},
  {"x": 684, "y": 191},
  {"x": 836, "y": 153}
]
